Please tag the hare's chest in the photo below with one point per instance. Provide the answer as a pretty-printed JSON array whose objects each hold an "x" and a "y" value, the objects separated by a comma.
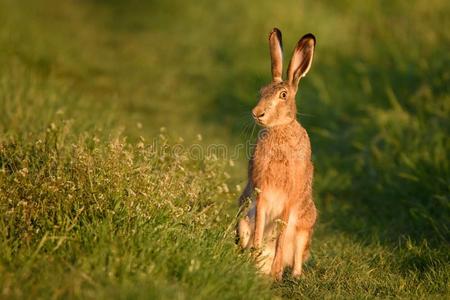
[
  {"x": 275, "y": 202},
  {"x": 273, "y": 166}
]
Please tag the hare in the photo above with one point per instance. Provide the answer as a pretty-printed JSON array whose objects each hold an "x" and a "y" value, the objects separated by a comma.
[{"x": 280, "y": 222}]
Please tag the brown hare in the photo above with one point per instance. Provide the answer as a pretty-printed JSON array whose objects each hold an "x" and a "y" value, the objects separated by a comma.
[{"x": 280, "y": 222}]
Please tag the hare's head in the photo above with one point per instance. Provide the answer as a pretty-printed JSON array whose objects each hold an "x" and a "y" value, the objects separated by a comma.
[{"x": 276, "y": 105}]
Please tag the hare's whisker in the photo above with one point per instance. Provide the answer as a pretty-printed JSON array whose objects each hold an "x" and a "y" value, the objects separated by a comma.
[
  {"x": 305, "y": 115},
  {"x": 244, "y": 129},
  {"x": 253, "y": 129}
]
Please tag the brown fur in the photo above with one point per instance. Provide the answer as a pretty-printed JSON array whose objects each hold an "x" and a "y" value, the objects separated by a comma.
[{"x": 280, "y": 222}]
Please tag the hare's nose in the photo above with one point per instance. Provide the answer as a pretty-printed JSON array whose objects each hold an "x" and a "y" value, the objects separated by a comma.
[{"x": 257, "y": 114}]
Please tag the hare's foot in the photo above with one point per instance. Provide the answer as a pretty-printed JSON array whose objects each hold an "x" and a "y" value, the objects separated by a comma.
[
  {"x": 301, "y": 251},
  {"x": 278, "y": 263},
  {"x": 297, "y": 273},
  {"x": 277, "y": 273}
]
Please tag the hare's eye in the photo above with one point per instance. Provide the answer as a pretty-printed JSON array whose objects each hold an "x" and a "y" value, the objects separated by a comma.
[{"x": 283, "y": 95}]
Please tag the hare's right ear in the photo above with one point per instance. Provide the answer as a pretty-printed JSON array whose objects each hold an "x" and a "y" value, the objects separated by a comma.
[
  {"x": 276, "y": 54},
  {"x": 301, "y": 59}
]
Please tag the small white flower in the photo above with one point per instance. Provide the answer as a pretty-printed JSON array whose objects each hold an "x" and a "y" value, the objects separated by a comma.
[{"x": 225, "y": 187}]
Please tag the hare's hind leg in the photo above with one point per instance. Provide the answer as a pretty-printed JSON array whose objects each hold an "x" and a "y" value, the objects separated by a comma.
[
  {"x": 245, "y": 232},
  {"x": 306, "y": 252},
  {"x": 302, "y": 242},
  {"x": 246, "y": 229}
]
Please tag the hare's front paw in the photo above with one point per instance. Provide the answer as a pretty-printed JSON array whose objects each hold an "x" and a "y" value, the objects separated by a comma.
[
  {"x": 297, "y": 273},
  {"x": 277, "y": 270}
]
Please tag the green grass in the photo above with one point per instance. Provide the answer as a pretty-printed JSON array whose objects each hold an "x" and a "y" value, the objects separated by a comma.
[{"x": 94, "y": 205}]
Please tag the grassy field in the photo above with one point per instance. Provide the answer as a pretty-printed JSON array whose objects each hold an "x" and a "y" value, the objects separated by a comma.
[{"x": 95, "y": 94}]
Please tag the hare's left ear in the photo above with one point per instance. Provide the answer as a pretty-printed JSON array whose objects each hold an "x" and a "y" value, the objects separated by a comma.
[
  {"x": 276, "y": 54},
  {"x": 301, "y": 59}
]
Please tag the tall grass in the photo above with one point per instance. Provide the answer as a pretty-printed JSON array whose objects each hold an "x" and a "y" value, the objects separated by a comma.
[{"x": 90, "y": 217}]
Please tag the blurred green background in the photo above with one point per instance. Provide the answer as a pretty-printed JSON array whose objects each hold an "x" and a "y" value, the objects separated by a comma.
[{"x": 376, "y": 104}]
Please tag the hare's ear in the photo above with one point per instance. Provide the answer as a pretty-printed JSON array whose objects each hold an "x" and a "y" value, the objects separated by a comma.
[
  {"x": 276, "y": 54},
  {"x": 301, "y": 59}
]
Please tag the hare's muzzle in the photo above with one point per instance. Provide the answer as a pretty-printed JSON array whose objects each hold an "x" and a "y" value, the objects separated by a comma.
[{"x": 258, "y": 113}]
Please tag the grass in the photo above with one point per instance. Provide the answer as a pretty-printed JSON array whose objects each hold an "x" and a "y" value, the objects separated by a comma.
[{"x": 94, "y": 204}]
